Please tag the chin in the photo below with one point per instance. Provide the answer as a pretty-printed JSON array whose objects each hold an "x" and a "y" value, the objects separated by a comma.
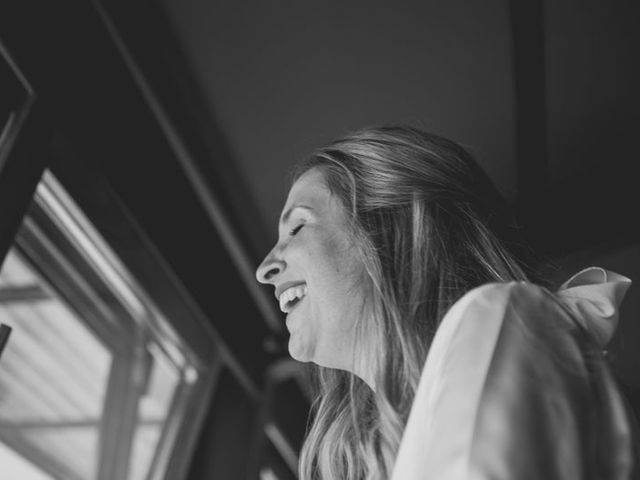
[{"x": 298, "y": 351}]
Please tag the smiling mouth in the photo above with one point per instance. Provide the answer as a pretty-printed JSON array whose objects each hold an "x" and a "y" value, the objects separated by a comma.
[{"x": 291, "y": 297}]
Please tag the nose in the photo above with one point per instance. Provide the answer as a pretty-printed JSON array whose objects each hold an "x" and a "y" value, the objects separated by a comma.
[{"x": 270, "y": 267}]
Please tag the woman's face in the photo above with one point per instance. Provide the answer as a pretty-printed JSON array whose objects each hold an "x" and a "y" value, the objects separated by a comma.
[{"x": 315, "y": 268}]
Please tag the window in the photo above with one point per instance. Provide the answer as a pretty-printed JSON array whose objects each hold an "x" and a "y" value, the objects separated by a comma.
[
  {"x": 94, "y": 383},
  {"x": 15, "y": 102}
]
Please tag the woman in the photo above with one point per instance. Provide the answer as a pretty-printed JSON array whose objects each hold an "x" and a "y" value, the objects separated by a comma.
[{"x": 394, "y": 250}]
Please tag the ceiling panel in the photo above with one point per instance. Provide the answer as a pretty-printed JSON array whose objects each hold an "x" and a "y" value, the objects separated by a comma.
[
  {"x": 592, "y": 75},
  {"x": 283, "y": 77}
]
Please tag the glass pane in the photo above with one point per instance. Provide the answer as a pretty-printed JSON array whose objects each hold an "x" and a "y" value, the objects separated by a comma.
[
  {"x": 73, "y": 448},
  {"x": 99, "y": 387},
  {"x": 53, "y": 376},
  {"x": 146, "y": 439},
  {"x": 154, "y": 409},
  {"x": 15, "y": 273},
  {"x": 15, "y": 466}
]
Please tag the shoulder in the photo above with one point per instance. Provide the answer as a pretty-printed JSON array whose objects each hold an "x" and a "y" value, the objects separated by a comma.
[
  {"x": 496, "y": 298},
  {"x": 483, "y": 362},
  {"x": 477, "y": 319},
  {"x": 509, "y": 376},
  {"x": 457, "y": 376}
]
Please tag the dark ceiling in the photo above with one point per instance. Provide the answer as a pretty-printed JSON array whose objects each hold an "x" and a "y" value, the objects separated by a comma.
[
  {"x": 552, "y": 81},
  {"x": 284, "y": 77}
]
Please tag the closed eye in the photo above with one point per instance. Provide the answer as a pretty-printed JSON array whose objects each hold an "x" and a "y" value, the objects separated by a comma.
[{"x": 296, "y": 229}]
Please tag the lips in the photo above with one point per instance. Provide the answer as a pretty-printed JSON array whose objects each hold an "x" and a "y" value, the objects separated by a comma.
[{"x": 291, "y": 296}]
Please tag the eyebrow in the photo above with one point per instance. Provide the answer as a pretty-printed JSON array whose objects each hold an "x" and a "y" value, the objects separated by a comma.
[{"x": 287, "y": 214}]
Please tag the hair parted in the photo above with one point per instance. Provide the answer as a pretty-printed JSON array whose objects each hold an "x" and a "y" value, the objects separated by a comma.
[{"x": 429, "y": 226}]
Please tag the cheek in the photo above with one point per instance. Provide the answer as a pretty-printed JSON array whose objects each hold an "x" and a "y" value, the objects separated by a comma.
[
  {"x": 336, "y": 259},
  {"x": 333, "y": 270}
]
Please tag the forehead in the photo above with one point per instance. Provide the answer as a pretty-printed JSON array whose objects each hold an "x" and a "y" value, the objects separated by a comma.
[
  {"x": 311, "y": 190},
  {"x": 310, "y": 186}
]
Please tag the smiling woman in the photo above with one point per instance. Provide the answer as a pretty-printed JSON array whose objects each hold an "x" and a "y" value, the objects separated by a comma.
[
  {"x": 440, "y": 352},
  {"x": 315, "y": 272}
]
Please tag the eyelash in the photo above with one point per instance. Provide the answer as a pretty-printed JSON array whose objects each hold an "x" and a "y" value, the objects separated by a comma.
[{"x": 296, "y": 229}]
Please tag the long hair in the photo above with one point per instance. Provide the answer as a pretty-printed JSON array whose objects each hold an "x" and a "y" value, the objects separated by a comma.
[{"x": 429, "y": 226}]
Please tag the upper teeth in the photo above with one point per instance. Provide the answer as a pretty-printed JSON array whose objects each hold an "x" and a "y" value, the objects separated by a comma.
[{"x": 291, "y": 293}]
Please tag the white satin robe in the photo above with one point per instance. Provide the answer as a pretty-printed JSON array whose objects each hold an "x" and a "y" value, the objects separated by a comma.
[{"x": 515, "y": 387}]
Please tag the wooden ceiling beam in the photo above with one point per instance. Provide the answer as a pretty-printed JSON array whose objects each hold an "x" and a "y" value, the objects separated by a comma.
[{"x": 527, "y": 33}]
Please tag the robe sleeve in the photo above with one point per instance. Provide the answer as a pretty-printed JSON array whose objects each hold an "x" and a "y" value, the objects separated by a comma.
[{"x": 515, "y": 387}]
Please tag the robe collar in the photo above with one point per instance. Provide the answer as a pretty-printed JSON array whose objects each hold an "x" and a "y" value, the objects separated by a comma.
[{"x": 594, "y": 295}]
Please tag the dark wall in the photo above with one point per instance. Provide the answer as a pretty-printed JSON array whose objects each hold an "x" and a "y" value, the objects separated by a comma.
[
  {"x": 109, "y": 151},
  {"x": 224, "y": 448}
]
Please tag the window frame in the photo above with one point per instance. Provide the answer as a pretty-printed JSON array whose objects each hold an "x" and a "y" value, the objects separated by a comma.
[{"x": 51, "y": 253}]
